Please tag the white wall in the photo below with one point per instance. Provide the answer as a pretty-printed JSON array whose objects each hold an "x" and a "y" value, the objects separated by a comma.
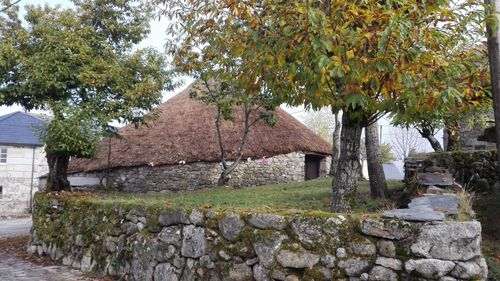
[{"x": 15, "y": 177}]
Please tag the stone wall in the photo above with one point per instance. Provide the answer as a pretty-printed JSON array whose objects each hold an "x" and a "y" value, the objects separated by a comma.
[
  {"x": 134, "y": 242},
  {"x": 16, "y": 176},
  {"x": 198, "y": 175},
  {"x": 476, "y": 169}
]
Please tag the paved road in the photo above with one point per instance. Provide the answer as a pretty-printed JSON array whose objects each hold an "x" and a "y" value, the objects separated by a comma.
[
  {"x": 13, "y": 268},
  {"x": 15, "y": 227}
]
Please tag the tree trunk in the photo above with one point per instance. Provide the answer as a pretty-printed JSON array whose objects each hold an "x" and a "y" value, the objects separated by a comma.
[
  {"x": 57, "y": 179},
  {"x": 335, "y": 146},
  {"x": 378, "y": 185},
  {"x": 426, "y": 133},
  {"x": 345, "y": 181},
  {"x": 494, "y": 61}
]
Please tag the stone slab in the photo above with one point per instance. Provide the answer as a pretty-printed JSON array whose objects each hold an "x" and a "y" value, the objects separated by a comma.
[
  {"x": 441, "y": 203},
  {"x": 442, "y": 179},
  {"x": 414, "y": 215}
]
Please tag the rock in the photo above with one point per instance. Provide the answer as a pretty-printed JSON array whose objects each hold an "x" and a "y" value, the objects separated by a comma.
[
  {"x": 325, "y": 272},
  {"x": 297, "y": 259},
  {"x": 292, "y": 278},
  {"x": 260, "y": 273},
  {"x": 252, "y": 261},
  {"x": 86, "y": 264},
  {"x": 172, "y": 217},
  {"x": 308, "y": 230},
  {"x": 379, "y": 273},
  {"x": 447, "y": 278},
  {"x": 443, "y": 203},
  {"x": 129, "y": 228},
  {"x": 354, "y": 266},
  {"x": 164, "y": 252},
  {"x": 206, "y": 261},
  {"x": 414, "y": 215},
  {"x": 171, "y": 235},
  {"x": 142, "y": 265},
  {"x": 341, "y": 253},
  {"x": 240, "y": 272},
  {"x": 386, "y": 248},
  {"x": 231, "y": 226},
  {"x": 429, "y": 268},
  {"x": 197, "y": 217},
  {"x": 363, "y": 248},
  {"x": 267, "y": 221},
  {"x": 475, "y": 269},
  {"x": 194, "y": 242},
  {"x": 435, "y": 190},
  {"x": 189, "y": 272},
  {"x": 389, "y": 263},
  {"x": 68, "y": 260},
  {"x": 364, "y": 277},
  {"x": 278, "y": 275},
  {"x": 266, "y": 248},
  {"x": 392, "y": 229},
  {"x": 224, "y": 255},
  {"x": 110, "y": 243},
  {"x": 328, "y": 261},
  {"x": 165, "y": 272},
  {"x": 458, "y": 241},
  {"x": 79, "y": 240}
]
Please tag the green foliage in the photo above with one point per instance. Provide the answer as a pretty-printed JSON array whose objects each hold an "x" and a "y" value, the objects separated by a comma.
[
  {"x": 83, "y": 65},
  {"x": 386, "y": 153}
]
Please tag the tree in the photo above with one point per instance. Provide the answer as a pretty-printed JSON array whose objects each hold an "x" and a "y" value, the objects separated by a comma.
[
  {"x": 386, "y": 153},
  {"x": 82, "y": 64},
  {"x": 227, "y": 98},
  {"x": 493, "y": 34},
  {"x": 404, "y": 140},
  {"x": 364, "y": 58},
  {"x": 378, "y": 185}
]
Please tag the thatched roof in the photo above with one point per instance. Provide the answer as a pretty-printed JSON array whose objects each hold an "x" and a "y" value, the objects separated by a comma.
[{"x": 185, "y": 131}]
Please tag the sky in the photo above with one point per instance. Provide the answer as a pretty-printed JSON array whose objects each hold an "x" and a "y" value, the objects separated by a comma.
[{"x": 156, "y": 39}]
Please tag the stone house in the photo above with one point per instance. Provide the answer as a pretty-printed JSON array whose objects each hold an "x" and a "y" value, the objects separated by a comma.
[
  {"x": 22, "y": 161},
  {"x": 178, "y": 151}
]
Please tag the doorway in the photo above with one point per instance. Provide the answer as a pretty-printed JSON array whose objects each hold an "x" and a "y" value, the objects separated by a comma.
[{"x": 312, "y": 166}]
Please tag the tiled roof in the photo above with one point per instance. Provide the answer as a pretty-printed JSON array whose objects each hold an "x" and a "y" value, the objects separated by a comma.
[{"x": 20, "y": 128}]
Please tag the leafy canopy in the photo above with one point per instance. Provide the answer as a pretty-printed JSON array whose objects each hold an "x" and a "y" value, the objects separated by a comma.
[
  {"x": 82, "y": 64},
  {"x": 361, "y": 57}
]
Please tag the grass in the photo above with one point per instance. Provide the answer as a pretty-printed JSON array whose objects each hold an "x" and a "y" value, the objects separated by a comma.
[{"x": 311, "y": 195}]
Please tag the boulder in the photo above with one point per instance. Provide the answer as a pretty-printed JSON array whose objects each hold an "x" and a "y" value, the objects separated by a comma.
[
  {"x": 240, "y": 272},
  {"x": 386, "y": 248},
  {"x": 266, "y": 248},
  {"x": 197, "y": 217},
  {"x": 363, "y": 248},
  {"x": 459, "y": 241},
  {"x": 267, "y": 221},
  {"x": 194, "y": 242},
  {"x": 379, "y": 273},
  {"x": 475, "y": 269},
  {"x": 231, "y": 226},
  {"x": 429, "y": 268},
  {"x": 165, "y": 272},
  {"x": 171, "y": 235},
  {"x": 297, "y": 259},
  {"x": 172, "y": 217},
  {"x": 354, "y": 266},
  {"x": 391, "y": 263},
  {"x": 394, "y": 230}
]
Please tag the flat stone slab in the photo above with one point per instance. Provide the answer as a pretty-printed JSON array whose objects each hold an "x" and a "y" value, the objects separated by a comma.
[
  {"x": 414, "y": 215},
  {"x": 447, "y": 204},
  {"x": 442, "y": 179}
]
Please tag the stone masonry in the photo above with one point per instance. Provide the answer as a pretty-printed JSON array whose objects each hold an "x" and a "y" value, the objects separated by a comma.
[
  {"x": 193, "y": 176},
  {"x": 156, "y": 243}
]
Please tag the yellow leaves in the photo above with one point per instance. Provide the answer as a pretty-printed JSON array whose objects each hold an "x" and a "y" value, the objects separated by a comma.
[{"x": 350, "y": 54}]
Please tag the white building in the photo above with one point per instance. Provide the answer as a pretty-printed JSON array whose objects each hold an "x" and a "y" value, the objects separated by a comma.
[{"x": 22, "y": 161}]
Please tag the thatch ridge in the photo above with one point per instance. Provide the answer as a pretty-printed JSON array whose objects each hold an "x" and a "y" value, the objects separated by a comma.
[{"x": 185, "y": 131}]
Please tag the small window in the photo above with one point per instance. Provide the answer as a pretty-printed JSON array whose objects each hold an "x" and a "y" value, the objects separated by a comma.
[{"x": 3, "y": 155}]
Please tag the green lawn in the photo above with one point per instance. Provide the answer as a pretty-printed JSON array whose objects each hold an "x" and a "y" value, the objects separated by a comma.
[{"x": 312, "y": 195}]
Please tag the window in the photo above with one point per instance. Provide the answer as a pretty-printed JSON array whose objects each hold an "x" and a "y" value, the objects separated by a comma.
[{"x": 3, "y": 155}]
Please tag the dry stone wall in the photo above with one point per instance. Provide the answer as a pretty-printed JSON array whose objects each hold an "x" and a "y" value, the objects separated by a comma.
[
  {"x": 157, "y": 243},
  {"x": 193, "y": 176}
]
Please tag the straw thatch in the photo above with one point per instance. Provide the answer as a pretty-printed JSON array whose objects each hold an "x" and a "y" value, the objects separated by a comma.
[{"x": 185, "y": 131}]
